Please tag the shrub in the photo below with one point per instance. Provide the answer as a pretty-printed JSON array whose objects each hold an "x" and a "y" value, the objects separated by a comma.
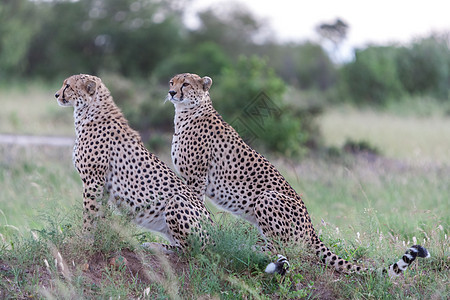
[
  {"x": 250, "y": 98},
  {"x": 379, "y": 75},
  {"x": 355, "y": 147},
  {"x": 424, "y": 68},
  {"x": 305, "y": 66},
  {"x": 142, "y": 102},
  {"x": 372, "y": 77},
  {"x": 235, "y": 241},
  {"x": 205, "y": 59}
]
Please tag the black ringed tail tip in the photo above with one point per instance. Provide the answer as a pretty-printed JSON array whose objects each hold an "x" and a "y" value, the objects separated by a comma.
[
  {"x": 281, "y": 266},
  {"x": 407, "y": 259},
  {"x": 421, "y": 251}
]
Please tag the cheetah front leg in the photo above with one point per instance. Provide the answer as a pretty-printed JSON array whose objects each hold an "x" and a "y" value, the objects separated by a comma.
[{"x": 92, "y": 201}]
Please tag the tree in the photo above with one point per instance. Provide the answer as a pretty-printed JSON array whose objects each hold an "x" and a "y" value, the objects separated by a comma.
[
  {"x": 126, "y": 36},
  {"x": 18, "y": 23},
  {"x": 305, "y": 66},
  {"x": 334, "y": 33},
  {"x": 234, "y": 29},
  {"x": 373, "y": 76},
  {"x": 250, "y": 98},
  {"x": 205, "y": 59},
  {"x": 424, "y": 67}
]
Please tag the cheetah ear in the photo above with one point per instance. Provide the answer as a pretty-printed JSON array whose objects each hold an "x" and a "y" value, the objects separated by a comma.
[
  {"x": 90, "y": 87},
  {"x": 207, "y": 82}
]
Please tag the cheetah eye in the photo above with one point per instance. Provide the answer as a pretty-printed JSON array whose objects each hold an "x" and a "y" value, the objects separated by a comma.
[
  {"x": 171, "y": 83},
  {"x": 185, "y": 84}
]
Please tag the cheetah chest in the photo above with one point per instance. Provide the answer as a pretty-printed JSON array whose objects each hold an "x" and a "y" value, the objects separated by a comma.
[{"x": 175, "y": 153}]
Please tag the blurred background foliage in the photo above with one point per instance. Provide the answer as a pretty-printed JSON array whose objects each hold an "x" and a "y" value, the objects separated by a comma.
[{"x": 137, "y": 45}]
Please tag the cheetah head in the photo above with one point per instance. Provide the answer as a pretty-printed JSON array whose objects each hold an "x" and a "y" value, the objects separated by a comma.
[
  {"x": 78, "y": 90},
  {"x": 187, "y": 91}
]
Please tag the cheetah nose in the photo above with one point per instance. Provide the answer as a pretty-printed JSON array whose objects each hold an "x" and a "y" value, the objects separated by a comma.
[
  {"x": 56, "y": 95},
  {"x": 172, "y": 93}
]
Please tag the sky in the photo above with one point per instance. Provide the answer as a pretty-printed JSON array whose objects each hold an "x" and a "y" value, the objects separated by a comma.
[{"x": 371, "y": 22}]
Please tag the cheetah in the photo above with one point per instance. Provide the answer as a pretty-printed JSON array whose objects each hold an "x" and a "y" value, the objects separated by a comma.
[
  {"x": 215, "y": 161},
  {"x": 112, "y": 160}
]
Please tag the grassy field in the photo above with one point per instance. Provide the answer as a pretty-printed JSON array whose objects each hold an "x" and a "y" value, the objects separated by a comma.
[
  {"x": 367, "y": 208},
  {"x": 32, "y": 109},
  {"x": 416, "y": 139}
]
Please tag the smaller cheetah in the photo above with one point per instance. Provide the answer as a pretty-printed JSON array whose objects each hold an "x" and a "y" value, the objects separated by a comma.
[
  {"x": 110, "y": 157},
  {"x": 216, "y": 162}
]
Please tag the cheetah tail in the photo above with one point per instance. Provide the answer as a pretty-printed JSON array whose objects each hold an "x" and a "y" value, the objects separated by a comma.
[
  {"x": 341, "y": 265},
  {"x": 410, "y": 255}
]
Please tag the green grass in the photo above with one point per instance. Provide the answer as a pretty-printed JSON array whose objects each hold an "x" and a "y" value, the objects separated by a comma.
[
  {"x": 34, "y": 181},
  {"x": 31, "y": 108},
  {"x": 403, "y": 197},
  {"x": 417, "y": 139},
  {"x": 388, "y": 205}
]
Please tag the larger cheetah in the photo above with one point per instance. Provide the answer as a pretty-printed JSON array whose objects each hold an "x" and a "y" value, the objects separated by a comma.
[
  {"x": 110, "y": 157},
  {"x": 217, "y": 163}
]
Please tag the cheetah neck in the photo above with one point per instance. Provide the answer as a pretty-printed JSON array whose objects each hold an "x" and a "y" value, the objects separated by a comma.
[
  {"x": 89, "y": 114},
  {"x": 185, "y": 116},
  {"x": 82, "y": 116}
]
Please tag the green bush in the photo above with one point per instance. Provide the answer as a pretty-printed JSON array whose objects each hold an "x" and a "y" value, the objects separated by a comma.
[
  {"x": 205, "y": 59},
  {"x": 153, "y": 113},
  {"x": 88, "y": 36},
  {"x": 380, "y": 75},
  {"x": 142, "y": 102},
  {"x": 16, "y": 35},
  {"x": 314, "y": 67},
  {"x": 424, "y": 68},
  {"x": 235, "y": 241},
  {"x": 238, "y": 86},
  {"x": 305, "y": 66},
  {"x": 361, "y": 146},
  {"x": 250, "y": 98},
  {"x": 372, "y": 77}
]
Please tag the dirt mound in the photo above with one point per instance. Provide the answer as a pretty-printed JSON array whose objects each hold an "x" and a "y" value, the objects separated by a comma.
[{"x": 141, "y": 268}]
